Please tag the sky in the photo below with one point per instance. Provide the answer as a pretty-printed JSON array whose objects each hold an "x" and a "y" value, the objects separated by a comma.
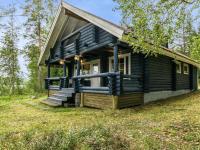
[{"x": 101, "y": 8}]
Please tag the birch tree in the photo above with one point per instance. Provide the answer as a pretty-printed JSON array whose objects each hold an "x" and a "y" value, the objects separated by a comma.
[{"x": 151, "y": 23}]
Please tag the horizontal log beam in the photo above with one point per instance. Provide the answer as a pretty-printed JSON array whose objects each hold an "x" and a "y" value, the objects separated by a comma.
[
  {"x": 93, "y": 91},
  {"x": 95, "y": 75},
  {"x": 53, "y": 78},
  {"x": 131, "y": 76},
  {"x": 95, "y": 88},
  {"x": 75, "y": 32}
]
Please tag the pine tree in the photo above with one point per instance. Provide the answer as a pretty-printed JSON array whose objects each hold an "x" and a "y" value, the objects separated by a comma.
[
  {"x": 39, "y": 15},
  {"x": 9, "y": 67}
]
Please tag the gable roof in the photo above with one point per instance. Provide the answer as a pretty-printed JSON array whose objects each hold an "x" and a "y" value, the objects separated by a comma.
[
  {"x": 74, "y": 11},
  {"x": 66, "y": 10}
]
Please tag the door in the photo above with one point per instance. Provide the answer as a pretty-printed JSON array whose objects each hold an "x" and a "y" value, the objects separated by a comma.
[{"x": 95, "y": 69}]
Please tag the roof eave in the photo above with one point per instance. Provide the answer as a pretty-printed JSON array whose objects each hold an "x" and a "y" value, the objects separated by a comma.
[{"x": 50, "y": 33}]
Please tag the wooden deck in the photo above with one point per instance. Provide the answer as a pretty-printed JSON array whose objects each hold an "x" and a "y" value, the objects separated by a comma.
[{"x": 104, "y": 101}]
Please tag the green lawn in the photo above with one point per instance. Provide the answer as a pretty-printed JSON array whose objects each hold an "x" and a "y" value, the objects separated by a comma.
[{"x": 170, "y": 124}]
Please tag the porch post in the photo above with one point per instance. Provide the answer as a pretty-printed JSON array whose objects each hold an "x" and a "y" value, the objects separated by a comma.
[
  {"x": 116, "y": 68},
  {"x": 65, "y": 70},
  {"x": 48, "y": 76},
  {"x": 70, "y": 69},
  {"x": 78, "y": 66},
  {"x": 48, "y": 71}
]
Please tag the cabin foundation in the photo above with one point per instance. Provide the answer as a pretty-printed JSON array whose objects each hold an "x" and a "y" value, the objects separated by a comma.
[
  {"x": 104, "y": 101},
  {"x": 153, "y": 96}
]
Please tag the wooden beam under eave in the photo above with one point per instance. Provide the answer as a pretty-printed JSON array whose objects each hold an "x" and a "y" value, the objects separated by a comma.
[{"x": 69, "y": 13}]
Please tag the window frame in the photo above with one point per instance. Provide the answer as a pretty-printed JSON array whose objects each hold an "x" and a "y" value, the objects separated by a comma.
[
  {"x": 124, "y": 56},
  {"x": 180, "y": 66},
  {"x": 87, "y": 62},
  {"x": 185, "y": 65}
]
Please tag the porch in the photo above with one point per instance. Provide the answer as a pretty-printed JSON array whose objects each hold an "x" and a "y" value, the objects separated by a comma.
[
  {"x": 94, "y": 63},
  {"x": 117, "y": 88}
]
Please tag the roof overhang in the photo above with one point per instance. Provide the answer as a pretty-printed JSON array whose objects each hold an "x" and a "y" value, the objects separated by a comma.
[
  {"x": 179, "y": 56},
  {"x": 66, "y": 11}
]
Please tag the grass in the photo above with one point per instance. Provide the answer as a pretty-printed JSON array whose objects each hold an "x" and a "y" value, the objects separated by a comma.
[{"x": 25, "y": 123}]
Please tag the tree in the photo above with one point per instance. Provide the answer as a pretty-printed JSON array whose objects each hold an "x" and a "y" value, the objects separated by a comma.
[
  {"x": 9, "y": 67},
  {"x": 195, "y": 45},
  {"x": 184, "y": 36},
  {"x": 32, "y": 54},
  {"x": 154, "y": 22},
  {"x": 39, "y": 15}
]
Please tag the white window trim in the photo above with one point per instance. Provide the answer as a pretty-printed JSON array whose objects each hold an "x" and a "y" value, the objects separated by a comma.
[
  {"x": 121, "y": 56},
  {"x": 186, "y": 73},
  {"x": 179, "y": 63}
]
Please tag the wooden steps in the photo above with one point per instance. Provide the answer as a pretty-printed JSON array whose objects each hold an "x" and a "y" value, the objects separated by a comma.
[
  {"x": 54, "y": 87},
  {"x": 63, "y": 97},
  {"x": 46, "y": 102}
]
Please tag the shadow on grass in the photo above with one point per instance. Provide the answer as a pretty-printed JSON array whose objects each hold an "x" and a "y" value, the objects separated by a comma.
[{"x": 172, "y": 104}]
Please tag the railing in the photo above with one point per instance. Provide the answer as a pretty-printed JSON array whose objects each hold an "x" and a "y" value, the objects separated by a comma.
[
  {"x": 56, "y": 83},
  {"x": 114, "y": 85}
]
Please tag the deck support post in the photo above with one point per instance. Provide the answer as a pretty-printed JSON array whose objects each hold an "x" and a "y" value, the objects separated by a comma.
[
  {"x": 116, "y": 68},
  {"x": 82, "y": 100},
  {"x": 115, "y": 102}
]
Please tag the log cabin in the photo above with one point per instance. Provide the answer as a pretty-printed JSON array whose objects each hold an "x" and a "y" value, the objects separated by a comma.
[{"x": 101, "y": 70}]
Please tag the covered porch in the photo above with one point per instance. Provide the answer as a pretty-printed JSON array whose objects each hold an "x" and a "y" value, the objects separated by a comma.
[{"x": 104, "y": 72}]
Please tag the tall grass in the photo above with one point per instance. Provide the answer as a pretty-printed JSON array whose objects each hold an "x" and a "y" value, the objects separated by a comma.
[{"x": 97, "y": 137}]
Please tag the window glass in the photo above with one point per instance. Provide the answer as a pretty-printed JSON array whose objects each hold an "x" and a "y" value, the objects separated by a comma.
[
  {"x": 123, "y": 63},
  {"x": 127, "y": 65},
  {"x": 112, "y": 65},
  {"x": 85, "y": 69},
  {"x": 95, "y": 69},
  {"x": 178, "y": 67},
  {"x": 185, "y": 69}
]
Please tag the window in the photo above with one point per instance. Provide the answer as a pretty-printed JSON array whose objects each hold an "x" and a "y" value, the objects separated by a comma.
[
  {"x": 178, "y": 67},
  {"x": 124, "y": 63},
  {"x": 90, "y": 67},
  {"x": 85, "y": 69},
  {"x": 185, "y": 68}
]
